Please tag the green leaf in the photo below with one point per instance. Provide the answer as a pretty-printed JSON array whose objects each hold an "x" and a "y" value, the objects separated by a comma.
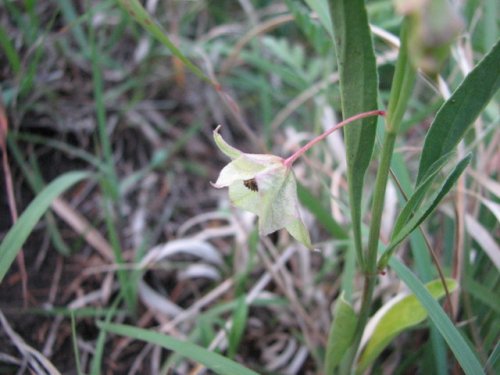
[
  {"x": 240, "y": 317},
  {"x": 425, "y": 210},
  {"x": 137, "y": 12},
  {"x": 413, "y": 203},
  {"x": 464, "y": 355},
  {"x": 10, "y": 51},
  {"x": 460, "y": 110},
  {"x": 397, "y": 315},
  {"x": 402, "y": 84},
  {"x": 341, "y": 334},
  {"x": 358, "y": 88},
  {"x": 216, "y": 362},
  {"x": 483, "y": 294},
  {"x": 313, "y": 30},
  {"x": 322, "y": 215},
  {"x": 323, "y": 13},
  {"x": 17, "y": 235}
]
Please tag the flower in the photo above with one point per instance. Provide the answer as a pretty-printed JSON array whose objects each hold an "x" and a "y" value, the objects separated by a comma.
[{"x": 264, "y": 185}]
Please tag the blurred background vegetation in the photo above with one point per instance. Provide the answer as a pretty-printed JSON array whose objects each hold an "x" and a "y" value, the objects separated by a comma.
[{"x": 150, "y": 243}]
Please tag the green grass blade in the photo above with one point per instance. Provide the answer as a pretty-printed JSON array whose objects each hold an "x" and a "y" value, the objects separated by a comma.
[
  {"x": 460, "y": 110},
  {"x": 96, "y": 363},
  {"x": 463, "y": 353},
  {"x": 36, "y": 182},
  {"x": 341, "y": 334},
  {"x": 321, "y": 9},
  {"x": 324, "y": 217},
  {"x": 240, "y": 318},
  {"x": 494, "y": 360},
  {"x": 483, "y": 294},
  {"x": 358, "y": 87},
  {"x": 70, "y": 16},
  {"x": 10, "y": 51},
  {"x": 314, "y": 31},
  {"x": 74, "y": 341},
  {"x": 403, "y": 313},
  {"x": 424, "y": 267},
  {"x": 17, "y": 235},
  {"x": 425, "y": 210},
  {"x": 416, "y": 198},
  {"x": 214, "y": 361},
  {"x": 138, "y": 13}
]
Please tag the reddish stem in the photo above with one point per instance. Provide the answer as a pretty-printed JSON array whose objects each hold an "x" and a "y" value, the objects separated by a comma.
[{"x": 297, "y": 154}]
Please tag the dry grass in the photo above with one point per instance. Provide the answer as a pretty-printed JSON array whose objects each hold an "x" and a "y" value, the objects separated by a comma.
[{"x": 198, "y": 257}]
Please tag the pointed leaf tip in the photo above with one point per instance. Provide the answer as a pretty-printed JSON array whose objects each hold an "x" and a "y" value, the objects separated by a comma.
[{"x": 226, "y": 148}]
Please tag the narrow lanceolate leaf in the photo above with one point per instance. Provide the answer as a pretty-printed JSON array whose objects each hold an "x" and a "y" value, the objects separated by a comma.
[
  {"x": 321, "y": 213},
  {"x": 423, "y": 212},
  {"x": 398, "y": 314},
  {"x": 240, "y": 318},
  {"x": 18, "y": 234},
  {"x": 358, "y": 85},
  {"x": 416, "y": 198},
  {"x": 321, "y": 9},
  {"x": 138, "y": 13},
  {"x": 216, "y": 362},
  {"x": 341, "y": 334},
  {"x": 463, "y": 353},
  {"x": 460, "y": 110}
]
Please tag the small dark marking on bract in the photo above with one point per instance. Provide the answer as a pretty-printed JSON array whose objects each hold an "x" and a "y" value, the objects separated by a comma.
[{"x": 251, "y": 184}]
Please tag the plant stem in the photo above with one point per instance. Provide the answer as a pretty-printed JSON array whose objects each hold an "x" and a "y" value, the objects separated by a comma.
[
  {"x": 297, "y": 154},
  {"x": 404, "y": 78},
  {"x": 370, "y": 269}
]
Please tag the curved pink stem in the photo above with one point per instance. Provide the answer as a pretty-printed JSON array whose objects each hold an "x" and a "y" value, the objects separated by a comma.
[{"x": 290, "y": 160}]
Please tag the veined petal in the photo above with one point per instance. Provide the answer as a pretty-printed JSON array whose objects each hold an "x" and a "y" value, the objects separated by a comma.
[
  {"x": 244, "y": 198},
  {"x": 238, "y": 170},
  {"x": 265, "y": 186},
  {"x": 279, "y": 206},
  {"x": 299, "y": 231}
]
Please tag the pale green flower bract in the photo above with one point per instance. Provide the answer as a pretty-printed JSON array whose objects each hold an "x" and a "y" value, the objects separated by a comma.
[{"x": 264, "y": 185}]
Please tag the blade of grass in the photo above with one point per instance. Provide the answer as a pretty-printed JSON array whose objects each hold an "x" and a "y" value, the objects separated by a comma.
[
  {"x": 423, "y": 264},
  {"x": 37, "y": 184},
  {"x": 17, "y": 235},
  {"x": 359, "y": 88},
  {"x": 140, "y": 15},
  {"x": 72, "y": 151},
  {"x": 240, "y": 318},
  {"x": 313, "y": 31},
  {"x": 109, "y": 181},
  {"x": 322, "y": 215},
  {"x": 10, "y": 52},
  {"x": 482, "y": 293},
  {"x": 463, "y": 353},
  {"x": 425, "y": 210},
  {"x": 494, "y": 359},
  {"x": 323, "y": 13},
  {"x": 341, "y": 334},
  {"x": 214, "y": 361},
  {"x": 70, "y": 16},
  {"x": 460, "y": 110},
  {"x": 396, "y": 316},
  {"x": 418, "y": 195},
  {"x": 74, "y": 341},
  {"x": 95, "y": 365}
]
